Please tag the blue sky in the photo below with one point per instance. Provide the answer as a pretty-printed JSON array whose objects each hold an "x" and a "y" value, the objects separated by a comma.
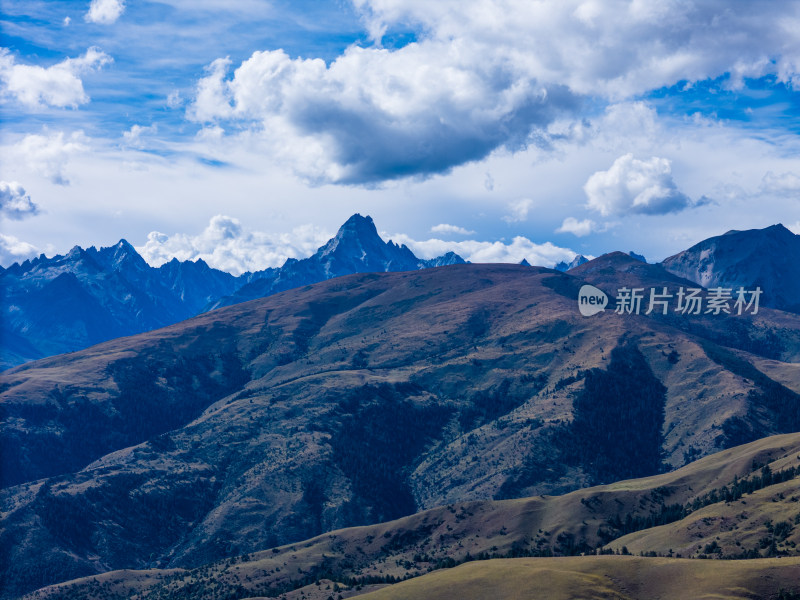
[{"x": 246, "y": 132}]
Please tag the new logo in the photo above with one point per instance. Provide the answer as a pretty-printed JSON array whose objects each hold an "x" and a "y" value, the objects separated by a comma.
[{"x": 591, "y": 300}]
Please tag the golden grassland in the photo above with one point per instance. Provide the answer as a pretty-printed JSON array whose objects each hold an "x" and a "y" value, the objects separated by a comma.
[{"x": 600, "y": 577}]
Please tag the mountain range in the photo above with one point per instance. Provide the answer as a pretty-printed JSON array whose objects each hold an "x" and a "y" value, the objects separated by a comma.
[
  {"x": 66, "y": 303},
  {"x": 433, "y": 398},
  {"x": 367, "y": 398}
]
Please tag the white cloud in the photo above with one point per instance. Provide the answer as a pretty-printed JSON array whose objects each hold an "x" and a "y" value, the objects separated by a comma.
[
  {"x": 518, "y": 210},
  {"x": 212, "y": 97},
  {"x": 374, "y": 115},
  {"x": 635, "y": 186},
  {"x": 59, "y": 85},
  {"x": 626, "y": 121},
  {"x": 213, "y": 133},
  {"x": 545, "y": 255},
  {"x": 133, "y": 137},
  {"x": 226, "y": 245},
  {"x": 174, "y": 99},
  {"x": 15, "y": 203},
  {"x": 795, "y": 228},
  {"x": 616, "y": 48},
  {"x": 783, "y": 184},
  {"x": 14, "y": 250},
  {"x": 67, "y": 21},
  {"x": 454, "y": 229},
  {"x": 49, "y": 154},
  {"x": 483, "y": 75},
  {"x": 575, "y": 227},
  {"x": 104, "y": 12}
]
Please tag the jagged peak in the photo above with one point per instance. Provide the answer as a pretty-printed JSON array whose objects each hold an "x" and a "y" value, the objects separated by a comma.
[
  {"x": 354, "y": 228},
  {"x": 638, "y": 257},
  {"x": 357, "y": 220},
  {"x": 578, "y": 260},
  {"x": 358, "y": 231}
]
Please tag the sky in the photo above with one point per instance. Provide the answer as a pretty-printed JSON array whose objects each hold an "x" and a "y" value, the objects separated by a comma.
[{"x": 246, "y": 132}]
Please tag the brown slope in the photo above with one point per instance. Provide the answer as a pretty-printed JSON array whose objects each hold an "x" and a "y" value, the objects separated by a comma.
[
  {"x": 356, "y": 400},
  {"x": 599, "y": 578},
  {"x": 442, "y": 537}
]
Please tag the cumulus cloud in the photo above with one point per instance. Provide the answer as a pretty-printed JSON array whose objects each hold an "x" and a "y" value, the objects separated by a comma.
[
  {"x": 454, "y": 229},
  {"x": 575, "y": 227},
  {"x": 104, "y": 12},
  {"x": 225, "y": 244},
  {"x": 133, "y": 137},
  {"x": 15, "y": 203},
  {"x": 482, "y": 75},
  {"x": 635, "y": 186},
  {"x": 59, "y": 85},
  {"x": 615, "y": 48},
  {"x": 545, "y": 255},
  {"x": 212, "y": 97},
  {"x": 518, "y": 210},
  {"x": 13, "y": 249},
  {"x": 49, "y": 154},
  {"x": 373, "y": 114}
]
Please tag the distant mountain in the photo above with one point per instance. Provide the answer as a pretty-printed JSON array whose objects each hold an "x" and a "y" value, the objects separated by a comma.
[
  {"x": 575, "y": 262},
  {"x": 768, "y": 258},
  {"x": 580, "y": 259},
  {"x": 69, "y": 302},
  {"x": 356, "y": 248},
  {"x": 66, "y": 303},
  {"x": 445, "y": 260},
  {"x": 366, "y": 398}
]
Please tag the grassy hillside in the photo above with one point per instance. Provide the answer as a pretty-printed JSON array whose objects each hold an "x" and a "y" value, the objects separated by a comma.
[
  {"x": 600, "y": 578},
  {"x": 354, "y": 559}
]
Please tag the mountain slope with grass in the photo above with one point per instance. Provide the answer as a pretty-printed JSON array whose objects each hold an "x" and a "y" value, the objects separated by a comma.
[
  {"x": 528, "y": 533},
  {"x": 363, "y": 399}
]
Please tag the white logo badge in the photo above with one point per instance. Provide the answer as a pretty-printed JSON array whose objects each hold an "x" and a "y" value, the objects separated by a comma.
[{"x": 591, "y": 300}]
